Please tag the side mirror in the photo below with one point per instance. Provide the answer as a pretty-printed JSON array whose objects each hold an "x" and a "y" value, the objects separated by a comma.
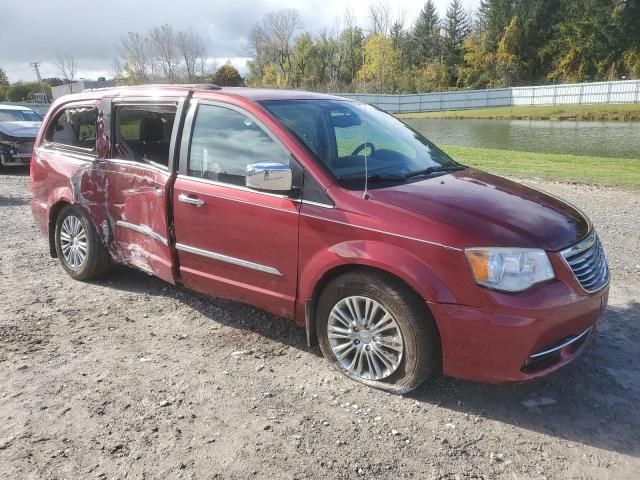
[{"x": 269, "y": 176}]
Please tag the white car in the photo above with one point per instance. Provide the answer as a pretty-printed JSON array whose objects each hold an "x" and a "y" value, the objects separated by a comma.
[{"x": 18, "y": 129}]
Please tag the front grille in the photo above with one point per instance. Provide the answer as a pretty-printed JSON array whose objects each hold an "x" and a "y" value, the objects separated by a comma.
[
  {"x": 25, "y": 147},
  {"x": 588, "y": 262}
]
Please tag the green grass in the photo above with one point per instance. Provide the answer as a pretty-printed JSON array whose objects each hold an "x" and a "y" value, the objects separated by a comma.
[
  {"x": 617, "y": 112},
  {"x": 567, "y": 168},
  {"x": 130, "y": 130}
]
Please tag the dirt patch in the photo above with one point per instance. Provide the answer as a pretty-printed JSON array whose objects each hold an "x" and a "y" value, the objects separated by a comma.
[{"x": 132, "y": 378}]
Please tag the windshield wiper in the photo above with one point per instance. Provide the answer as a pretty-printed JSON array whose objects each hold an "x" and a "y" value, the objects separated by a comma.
[
  {"x": 430, "y": 170},
  {"x": 376, "y": 177}
]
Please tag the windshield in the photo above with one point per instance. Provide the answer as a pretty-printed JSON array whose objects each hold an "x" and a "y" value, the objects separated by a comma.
[
  {"x": 340, "y": 134},
  {"x": 19, "y": 116}
]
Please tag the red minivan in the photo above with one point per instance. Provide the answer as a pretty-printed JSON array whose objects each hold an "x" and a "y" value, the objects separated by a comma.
[{"x": 396, "y": 259}]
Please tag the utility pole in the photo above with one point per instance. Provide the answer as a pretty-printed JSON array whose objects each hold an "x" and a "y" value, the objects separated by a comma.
[{"x": 36, "y": 67}]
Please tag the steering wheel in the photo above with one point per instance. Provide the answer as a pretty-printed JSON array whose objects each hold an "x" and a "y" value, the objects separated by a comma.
[{"x": 362, "y": 146}]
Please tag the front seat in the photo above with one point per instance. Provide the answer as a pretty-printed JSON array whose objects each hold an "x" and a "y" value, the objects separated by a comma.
[{"x": 151, "y": 138}]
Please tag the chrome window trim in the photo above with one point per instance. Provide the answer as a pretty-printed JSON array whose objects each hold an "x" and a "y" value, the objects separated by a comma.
[
  {"x": 251, "y": 190},
  {"x": 227, "y": 259},
  {"x": 143, "y": 230},
  {"x": 63, "y": 147},
  {"x": 77, "y": 155},
  {"x": 132, "y": 163},
  {"x": 145, "y": 102},
  {"x": 233, "y": 186},
  {"x": 243, "y": 201},
  {"x": 185, "y": 140},
  {"x": 247, "y": 189},
  {"x": 562, "y": 345},
  {"x": 317, "y": 204}
]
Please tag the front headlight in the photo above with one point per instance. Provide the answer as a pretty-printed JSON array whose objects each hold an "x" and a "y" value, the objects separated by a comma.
[{"x": 509, "y": 269}]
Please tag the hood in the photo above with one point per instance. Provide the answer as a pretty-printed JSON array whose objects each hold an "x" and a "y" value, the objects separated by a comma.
[
  {"x": 493, "y": 210},
  {"x": 20, "y": 129}
]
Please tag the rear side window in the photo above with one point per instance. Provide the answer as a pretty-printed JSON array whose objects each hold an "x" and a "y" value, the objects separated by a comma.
[
  {"x": 225, "y": 141},
  {"x": 143, "y": 133},
  {"x": 75, "y": 127}
]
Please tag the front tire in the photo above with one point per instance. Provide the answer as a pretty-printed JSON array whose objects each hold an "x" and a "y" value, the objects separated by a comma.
[
  {"x": 78, "y": 246},
  {"x": 376, "y": 330}
]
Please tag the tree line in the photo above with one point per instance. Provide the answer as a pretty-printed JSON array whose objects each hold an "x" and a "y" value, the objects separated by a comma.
[
  {"x": 502, "y": 43},
  {"x": 163, "y": 55},
  {"x": 24, "y": 91}
]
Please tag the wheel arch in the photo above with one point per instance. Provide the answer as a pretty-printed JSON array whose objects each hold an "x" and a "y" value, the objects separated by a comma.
[
  {"x": 54, "y": 211},
  {"x": 336, "y": 271}
]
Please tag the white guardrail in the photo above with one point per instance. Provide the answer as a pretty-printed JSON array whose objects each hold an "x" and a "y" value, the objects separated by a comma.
[{"x": 626, "y": 91}]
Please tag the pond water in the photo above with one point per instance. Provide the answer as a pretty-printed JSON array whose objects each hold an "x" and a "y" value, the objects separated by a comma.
[{"x": 602, "y": 139}]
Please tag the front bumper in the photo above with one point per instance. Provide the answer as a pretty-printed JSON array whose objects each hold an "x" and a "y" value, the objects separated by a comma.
[
  {"x": 17, "y": 153},
  {"x": 516, "y": 338},
  {"x": 17, "y": 160}
]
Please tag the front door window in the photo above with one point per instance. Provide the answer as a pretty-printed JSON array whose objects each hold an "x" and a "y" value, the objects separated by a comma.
[{"x": 225, "y": 141}]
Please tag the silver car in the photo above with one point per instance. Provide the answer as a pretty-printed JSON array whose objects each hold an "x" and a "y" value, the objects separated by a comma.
[{"x": 18, "y": 129}]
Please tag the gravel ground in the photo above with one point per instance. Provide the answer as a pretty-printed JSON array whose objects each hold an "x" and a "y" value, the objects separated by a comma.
[{"x": 132, "y": 378}]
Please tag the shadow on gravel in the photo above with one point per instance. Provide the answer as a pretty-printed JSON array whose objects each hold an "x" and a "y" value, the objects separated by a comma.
[
  {"x": 218, "y": 310},
  {"x": 15, "y": 171},
  {"x": 13, "y": 201},
  {"x": 594, "y": 401}
]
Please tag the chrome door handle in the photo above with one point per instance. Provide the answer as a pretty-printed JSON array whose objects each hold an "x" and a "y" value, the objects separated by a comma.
[{"x": 190, "y": 200}]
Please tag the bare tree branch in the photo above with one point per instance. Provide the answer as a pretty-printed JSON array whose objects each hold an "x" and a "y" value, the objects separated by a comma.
[
  {"x": 163, "y": 46},
  {"x": 272, "y": 41},
  {"x": 66, "y": 65},
  {"x": 379, "y": 18},
  {"x": 134, "y": 52},
  {"x": 191, "y": 49}
]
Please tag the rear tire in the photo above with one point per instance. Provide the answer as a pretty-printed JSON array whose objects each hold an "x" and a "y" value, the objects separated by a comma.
[
  {"x": 394, "y": 347},
  {"x": 78, "y": 246}
]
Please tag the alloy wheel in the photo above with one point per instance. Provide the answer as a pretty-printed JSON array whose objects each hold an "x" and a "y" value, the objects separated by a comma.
[
  {"x": 365, "y": 338},
  {"x": 73, "y": 241}
]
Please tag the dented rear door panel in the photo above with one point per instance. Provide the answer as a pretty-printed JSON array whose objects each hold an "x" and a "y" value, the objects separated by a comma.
[
  {"x": 138, "y": 214},
  {"x": 138, "y": 206}
]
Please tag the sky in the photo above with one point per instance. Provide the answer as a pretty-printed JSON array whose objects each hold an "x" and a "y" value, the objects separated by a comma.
[{"x": 40, "y": 30}]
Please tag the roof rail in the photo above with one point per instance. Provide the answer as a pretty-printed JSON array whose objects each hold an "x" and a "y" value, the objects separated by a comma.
[{"x": 199, "y": 86}]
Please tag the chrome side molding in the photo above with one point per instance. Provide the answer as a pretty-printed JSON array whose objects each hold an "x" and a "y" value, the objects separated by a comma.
[
  {"x": 227, "y": 259},
  {"x": 562, "y": 345},
  {"x": 143, "y": 230}
]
